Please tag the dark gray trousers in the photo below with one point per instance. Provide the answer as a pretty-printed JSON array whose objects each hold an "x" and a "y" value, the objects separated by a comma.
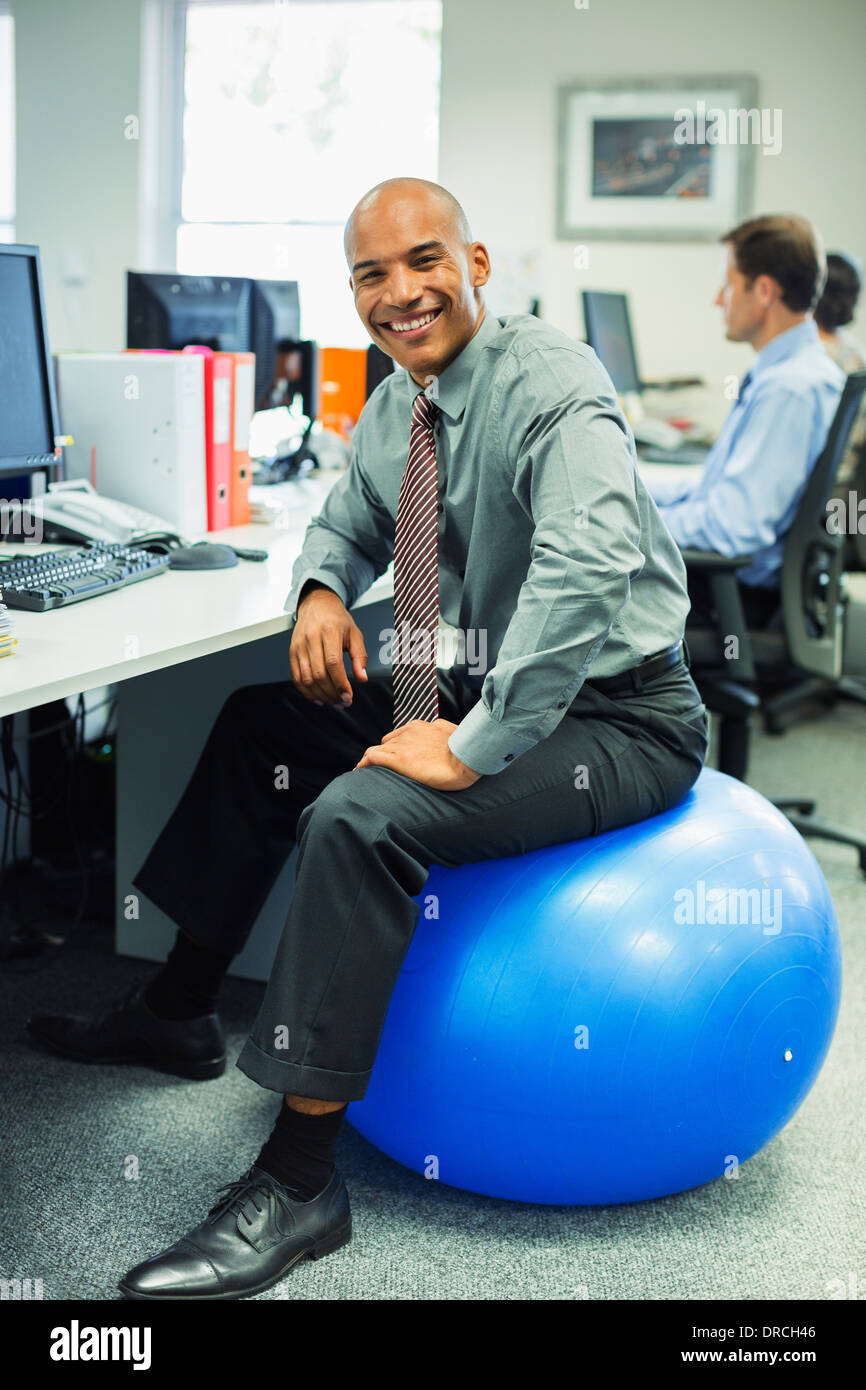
[{"x": 277, "y": 769}]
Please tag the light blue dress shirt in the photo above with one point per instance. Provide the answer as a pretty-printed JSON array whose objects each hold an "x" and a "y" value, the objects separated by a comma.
[{"x": 753, "y": 478}]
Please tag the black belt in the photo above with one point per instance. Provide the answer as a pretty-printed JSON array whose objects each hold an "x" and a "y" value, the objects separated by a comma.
[{"x": 646, "y": 670}]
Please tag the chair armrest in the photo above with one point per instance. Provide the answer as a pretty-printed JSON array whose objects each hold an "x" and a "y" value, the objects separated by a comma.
[
  {"x": 728, "y": 602},
  {"x": 711, "y": 561}
]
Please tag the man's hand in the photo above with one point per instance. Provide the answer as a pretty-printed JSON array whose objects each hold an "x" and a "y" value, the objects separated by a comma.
[
  {"x": 323, "y": 631},
  {"x": 420, "y": 751}
]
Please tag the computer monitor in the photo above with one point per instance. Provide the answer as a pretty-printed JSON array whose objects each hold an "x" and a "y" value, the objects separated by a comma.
[
  {"x": 28, "y": 404},
  {"x": 229, "y": 314},
  {"x": 379, "y": 365},
  {"x": 295, "y": 372},
  {"x": 608, "y": 332},
  {"x": 276, "y": 327},
  {"x": 177, "y": 311}
]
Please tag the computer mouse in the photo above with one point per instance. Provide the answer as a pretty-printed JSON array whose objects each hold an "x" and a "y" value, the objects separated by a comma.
[{"x": 206, "y": 555}]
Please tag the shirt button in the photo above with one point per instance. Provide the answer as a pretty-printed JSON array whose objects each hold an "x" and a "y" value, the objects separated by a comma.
[
  {"x": 439, "y": 507},
  {"x": 508, "y": 757},
  {"x": 561, "y": 705}
]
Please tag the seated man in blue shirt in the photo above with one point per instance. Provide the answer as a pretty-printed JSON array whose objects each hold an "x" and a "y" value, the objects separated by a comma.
[{"x": 753, "y": 478}]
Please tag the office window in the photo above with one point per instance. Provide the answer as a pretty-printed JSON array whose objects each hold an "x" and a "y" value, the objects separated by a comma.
[
  {"x": 291, "y": 112},
  {"x": 7, "y": 126}
]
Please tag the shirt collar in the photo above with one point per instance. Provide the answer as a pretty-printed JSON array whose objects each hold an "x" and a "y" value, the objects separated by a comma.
[
  {"x": 449, "y": 390},
  {"x": 785, "y": 345}
]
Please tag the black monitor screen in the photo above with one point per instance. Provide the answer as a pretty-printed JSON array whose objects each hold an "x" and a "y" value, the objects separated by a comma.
[
  {"x": 26, "y": 414},
  {"x": 608, "y": 331},
  {"x": 176, "y": 311},
  {"x": 228, "y": 314},
  {"x": 379, "y": 365},
  {"x": 276, "y": 329}
]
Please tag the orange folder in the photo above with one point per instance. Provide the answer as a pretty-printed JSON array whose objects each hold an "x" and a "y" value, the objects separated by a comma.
[
  {"x": 217, "y": 434},
  {"x": 343, "y": 388},
  {"x": 243, "y": 377}
]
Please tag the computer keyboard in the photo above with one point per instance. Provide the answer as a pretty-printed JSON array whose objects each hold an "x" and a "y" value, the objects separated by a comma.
[
  {"x": 689, "y": 454},
  {"x": 656, "y": 434},
  {"x": 60, "y": 577}
]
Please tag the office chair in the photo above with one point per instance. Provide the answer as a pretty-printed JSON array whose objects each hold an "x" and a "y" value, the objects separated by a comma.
[
  {"x": 855, "y": 554},
  {"x": 796, "y": 661}
]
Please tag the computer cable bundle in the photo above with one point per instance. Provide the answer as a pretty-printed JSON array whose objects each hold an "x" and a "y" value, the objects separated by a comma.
[{"x": 26, "y": 939}]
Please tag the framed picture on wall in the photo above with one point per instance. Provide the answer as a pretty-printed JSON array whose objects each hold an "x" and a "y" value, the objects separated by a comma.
[{"x": 667, "y": 160}]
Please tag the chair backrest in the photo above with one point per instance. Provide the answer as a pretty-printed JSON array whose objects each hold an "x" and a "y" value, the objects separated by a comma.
[
  {"x": 856, "y": 552},
  {"x": 851, "y": 478},
  {"x": 813, "y": 556}
]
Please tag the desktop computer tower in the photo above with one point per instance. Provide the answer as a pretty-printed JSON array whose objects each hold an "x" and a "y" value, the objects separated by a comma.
[{"x": 137, "y": 420}]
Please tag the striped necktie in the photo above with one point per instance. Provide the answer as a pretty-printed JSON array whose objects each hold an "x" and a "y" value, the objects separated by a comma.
[{"x": 416, "y": 575}]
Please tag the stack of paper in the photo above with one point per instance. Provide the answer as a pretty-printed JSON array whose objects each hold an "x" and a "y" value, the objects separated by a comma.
[
  {"x": 292, "y": 503},
  {"x": 8, "y": 640}
]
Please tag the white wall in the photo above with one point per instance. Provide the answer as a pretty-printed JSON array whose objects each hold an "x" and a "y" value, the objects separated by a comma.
[
  {"x": 502, "y": 62},
  {"x": 77, "y": 68}
]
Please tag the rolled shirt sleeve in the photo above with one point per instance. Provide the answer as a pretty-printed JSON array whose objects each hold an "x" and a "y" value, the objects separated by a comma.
[
  {"x": 672, "y": 488},
  {"x": 565, "y": 444},
  {"x": 350, "y": 543},
  {"x": 746, "y": 505}
]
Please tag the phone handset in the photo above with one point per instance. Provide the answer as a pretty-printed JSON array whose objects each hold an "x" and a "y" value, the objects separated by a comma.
[{"x": 74, "y": 511}]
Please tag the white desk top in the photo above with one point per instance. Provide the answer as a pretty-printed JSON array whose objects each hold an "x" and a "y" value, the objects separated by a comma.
[{"x": 174, "y": 617}]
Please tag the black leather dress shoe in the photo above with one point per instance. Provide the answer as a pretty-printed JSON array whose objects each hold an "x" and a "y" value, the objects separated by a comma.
[
  {"x": 192, "y": 1047},
  {"x": 253, "y": 1236}
]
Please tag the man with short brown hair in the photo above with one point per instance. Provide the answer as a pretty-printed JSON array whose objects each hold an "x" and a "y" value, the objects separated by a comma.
[{"x": 754, "y": 476}]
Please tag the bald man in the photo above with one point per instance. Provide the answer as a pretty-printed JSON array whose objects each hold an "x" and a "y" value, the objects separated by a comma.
[{"x": 494, "y": 467}]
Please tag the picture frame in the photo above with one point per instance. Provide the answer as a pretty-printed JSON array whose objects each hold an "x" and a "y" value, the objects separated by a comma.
[{"x": 629, "y": 169}]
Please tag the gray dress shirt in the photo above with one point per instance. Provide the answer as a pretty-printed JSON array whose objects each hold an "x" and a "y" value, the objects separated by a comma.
[{"x": 553, "y": 559}]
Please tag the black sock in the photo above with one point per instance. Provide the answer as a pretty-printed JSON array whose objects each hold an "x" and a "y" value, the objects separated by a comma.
[
  {"x": 300, "y": 1151},
  {"x": 188, "y": 984}
]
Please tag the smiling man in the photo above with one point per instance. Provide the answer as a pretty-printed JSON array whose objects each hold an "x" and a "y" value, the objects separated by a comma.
[
  {"x": 494, "y": 467},
  {"x": 449, "y": 299}
]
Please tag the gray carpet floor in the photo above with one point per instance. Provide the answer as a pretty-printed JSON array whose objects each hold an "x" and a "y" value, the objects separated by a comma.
[{"x": 791, "y": 1226}]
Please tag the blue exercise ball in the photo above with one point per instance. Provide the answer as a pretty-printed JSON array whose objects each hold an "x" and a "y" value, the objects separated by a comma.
[{"x": 615, "y": 1018}]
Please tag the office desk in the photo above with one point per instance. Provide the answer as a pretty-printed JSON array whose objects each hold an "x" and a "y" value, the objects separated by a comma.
[
  {"x": 176, "y": 646},
  {"x": 175, "y": 617}
]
